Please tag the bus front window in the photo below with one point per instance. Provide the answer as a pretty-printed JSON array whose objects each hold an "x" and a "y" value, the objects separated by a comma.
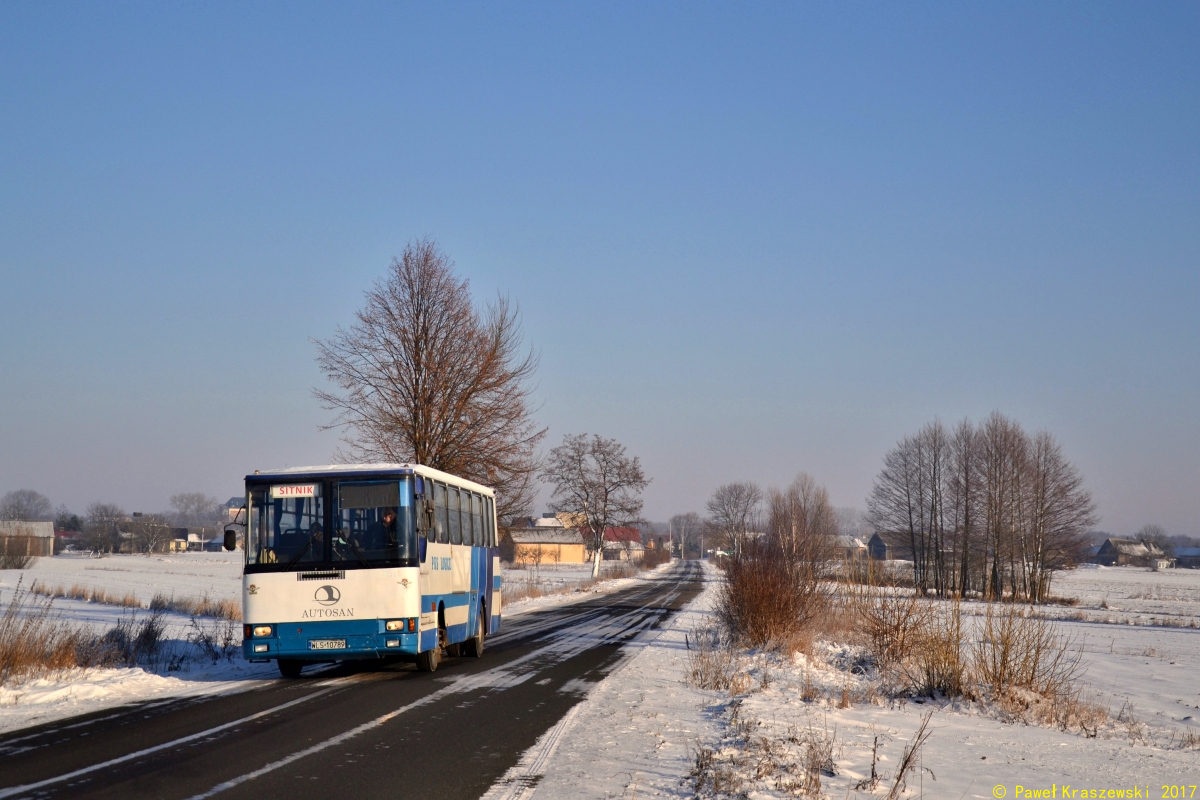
[{"x": 375, "y": 523}]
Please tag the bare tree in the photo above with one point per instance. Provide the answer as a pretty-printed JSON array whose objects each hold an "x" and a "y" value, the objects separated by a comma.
[
  {"x": 802, "y": 521},
  {"x": 1158, "y": 535},
  {"x": 592, "y": 476},
  {"x": 1058, "y": 513},
  {"x": 25, "y": 505},
  {"x": 101, "y": 531},
  {"x": 689, "y": 530},
  {"x": 150, "y": 533},
  {"x": 733, "y": 512},
  {"x": 195, "y": 508},
  {"x": 427, "y": 377}
]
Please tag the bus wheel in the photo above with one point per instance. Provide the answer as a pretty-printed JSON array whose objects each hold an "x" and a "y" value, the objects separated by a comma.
[
  {"x": 474, "y": 646},
  {"x": 290, "y": 667}
]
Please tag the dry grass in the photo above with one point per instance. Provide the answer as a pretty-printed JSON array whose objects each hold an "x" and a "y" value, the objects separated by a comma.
[
  {"x": 910, "y": 758},
  {"x": 34, "y": 641},
  {"x": 89, "y": 595},
  {"x": 203, "y": 606},
  {"x": 713, "y": 663}
]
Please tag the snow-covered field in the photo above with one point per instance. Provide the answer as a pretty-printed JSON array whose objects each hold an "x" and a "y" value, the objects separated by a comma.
[{"x": 185, "y": 665}]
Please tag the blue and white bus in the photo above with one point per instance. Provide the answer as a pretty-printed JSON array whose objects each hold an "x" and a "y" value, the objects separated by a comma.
[{"x": 369, "y": 561}]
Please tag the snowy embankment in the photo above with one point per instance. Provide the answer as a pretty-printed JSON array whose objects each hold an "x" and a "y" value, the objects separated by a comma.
[
  {"x": 827, "y": 710},
  {"x": 196, "y": 655}
]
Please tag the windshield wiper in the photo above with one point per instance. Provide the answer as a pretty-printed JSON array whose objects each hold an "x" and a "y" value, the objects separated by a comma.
[
  {"x": 357, "y": 554},
  {"x": 303, "y": 550}
]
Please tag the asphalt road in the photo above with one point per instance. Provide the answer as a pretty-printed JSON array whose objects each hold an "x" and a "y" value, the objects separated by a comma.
[{"x": 352, "y": 731}]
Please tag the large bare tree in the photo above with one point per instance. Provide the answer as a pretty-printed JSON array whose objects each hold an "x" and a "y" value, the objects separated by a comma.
[
  {"x": 733, "y": 512},
  {"x": 428, "y": 377},
  {"x": 592, "y": 476},
  {"x": 25, "y": 505}
]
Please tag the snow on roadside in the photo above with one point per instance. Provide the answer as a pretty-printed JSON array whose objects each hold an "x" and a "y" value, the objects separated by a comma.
[{"x": 635, "y": 733}]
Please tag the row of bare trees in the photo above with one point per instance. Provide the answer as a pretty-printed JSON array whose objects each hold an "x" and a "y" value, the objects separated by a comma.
[{"x": 984, "y": 508}]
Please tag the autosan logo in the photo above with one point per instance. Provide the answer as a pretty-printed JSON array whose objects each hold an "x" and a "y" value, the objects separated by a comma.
[{"x": 327, "y": 595}]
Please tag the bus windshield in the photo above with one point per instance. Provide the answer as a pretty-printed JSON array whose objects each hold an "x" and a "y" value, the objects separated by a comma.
[{"x": 370, "y": 523}]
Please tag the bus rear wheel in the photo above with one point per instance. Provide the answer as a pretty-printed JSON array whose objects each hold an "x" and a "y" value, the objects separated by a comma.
[
  {"x": 290, "y": 667},
  {"x": 473, "y": 647}
]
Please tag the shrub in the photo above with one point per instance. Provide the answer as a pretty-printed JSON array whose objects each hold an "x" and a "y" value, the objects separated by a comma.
[
  {"x": 130, "y": 642},
  {"x": 654, "y": 557},
  {"x": 1016, "y": 649},
  {"x": 769, "y": 598},
  {"x": 19, "y": 552},
  {"x": 891, "y": 621},
  {"x": 16, "y": 561},
  {"x": 942, "y": 662}
]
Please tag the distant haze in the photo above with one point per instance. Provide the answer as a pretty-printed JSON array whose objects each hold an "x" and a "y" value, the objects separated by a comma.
[{"x": 747, "y": 240}]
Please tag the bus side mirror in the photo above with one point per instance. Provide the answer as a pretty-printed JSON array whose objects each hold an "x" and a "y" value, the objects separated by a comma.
[{"x": 230, "y": 539}]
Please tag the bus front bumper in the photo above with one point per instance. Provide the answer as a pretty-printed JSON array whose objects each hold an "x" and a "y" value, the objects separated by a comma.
[{"x": 329, "y": 641}]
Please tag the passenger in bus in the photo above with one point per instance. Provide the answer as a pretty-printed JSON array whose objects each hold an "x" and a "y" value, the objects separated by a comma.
[{"x": 315, "y": 549}]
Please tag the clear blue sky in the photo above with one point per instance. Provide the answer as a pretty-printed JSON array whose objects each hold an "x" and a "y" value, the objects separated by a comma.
[{"x": 748, "y": 240}]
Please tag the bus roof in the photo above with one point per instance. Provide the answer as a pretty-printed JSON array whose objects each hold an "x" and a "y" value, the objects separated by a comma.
[{"x": 336, "y": 470}]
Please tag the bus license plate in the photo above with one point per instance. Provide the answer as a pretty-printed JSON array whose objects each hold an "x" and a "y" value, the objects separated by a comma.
[{"x": 326, "y": 644}]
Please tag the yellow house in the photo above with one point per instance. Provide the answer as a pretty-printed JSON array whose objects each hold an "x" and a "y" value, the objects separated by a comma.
[{"x": 548, "y": 545}]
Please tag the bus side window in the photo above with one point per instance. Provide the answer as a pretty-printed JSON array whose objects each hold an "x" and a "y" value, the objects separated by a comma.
[
  {"x": 489, "y": 517},
  {"x": 455, "y": 517},
  {"x": 441, "y": 533},
  {"x": 468, "y": 501},
  {"x": 477, "y": 519}
]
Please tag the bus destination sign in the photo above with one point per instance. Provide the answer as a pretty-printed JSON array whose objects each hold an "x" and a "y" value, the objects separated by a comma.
[{"x": 294, "y": 490}]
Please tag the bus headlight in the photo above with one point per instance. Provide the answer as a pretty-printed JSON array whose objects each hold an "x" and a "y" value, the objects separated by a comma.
[
  {"x": 393, "y": 642},
  {"x": 395, "y": 625},
  {"x": 262, "y": 630}
]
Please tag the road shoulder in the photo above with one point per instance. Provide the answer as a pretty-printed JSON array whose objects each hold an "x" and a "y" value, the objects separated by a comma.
[{"x": 636, "y": 731}]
